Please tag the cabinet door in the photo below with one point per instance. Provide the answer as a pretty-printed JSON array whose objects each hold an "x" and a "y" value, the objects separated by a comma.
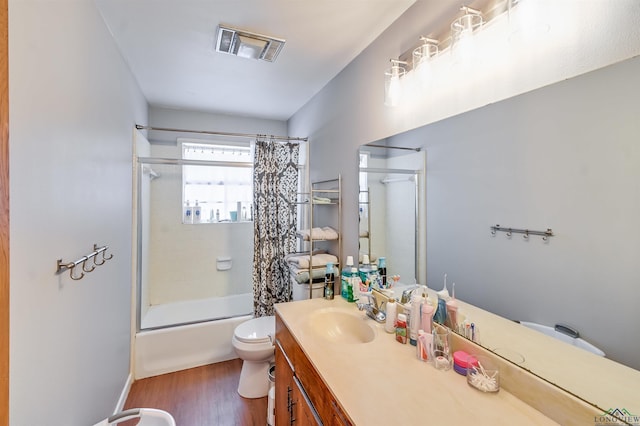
[
  {"x": 284, "y": 389},
  {"x": 304, "y": 414}
]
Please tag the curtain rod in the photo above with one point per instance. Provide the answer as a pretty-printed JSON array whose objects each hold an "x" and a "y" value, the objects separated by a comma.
[
  {"x": 206, "y": 132},
  {"x": 392, "y": 147}
]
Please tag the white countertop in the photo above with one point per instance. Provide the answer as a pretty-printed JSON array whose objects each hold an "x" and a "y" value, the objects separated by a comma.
[{"x": 382, "y": 381}]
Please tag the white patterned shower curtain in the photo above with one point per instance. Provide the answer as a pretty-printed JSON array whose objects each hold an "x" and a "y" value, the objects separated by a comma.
[{"x": 275, "y": 186}]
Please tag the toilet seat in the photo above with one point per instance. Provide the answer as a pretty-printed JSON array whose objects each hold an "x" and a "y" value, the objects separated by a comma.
[{"x": 257, "y": 330}]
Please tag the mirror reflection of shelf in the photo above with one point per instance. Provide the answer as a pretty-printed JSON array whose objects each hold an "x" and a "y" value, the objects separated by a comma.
[{"x": 364, "y": 233}]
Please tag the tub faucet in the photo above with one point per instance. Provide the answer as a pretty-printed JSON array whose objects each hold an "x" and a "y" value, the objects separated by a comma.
[{"x": 372, "y": 310}]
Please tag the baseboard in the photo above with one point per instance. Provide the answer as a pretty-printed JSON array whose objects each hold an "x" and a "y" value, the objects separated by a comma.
[{"x": 124, "y": 394}]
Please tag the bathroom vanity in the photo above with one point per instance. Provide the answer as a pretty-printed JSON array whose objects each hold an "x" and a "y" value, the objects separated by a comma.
[{"x": 336, "y": 366}]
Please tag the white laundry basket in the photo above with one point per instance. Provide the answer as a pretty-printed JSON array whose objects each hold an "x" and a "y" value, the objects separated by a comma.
[{"x": 147, "y": 416}]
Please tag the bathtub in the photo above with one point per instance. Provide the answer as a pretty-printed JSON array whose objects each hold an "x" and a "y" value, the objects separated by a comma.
[
  {"x": 576, "y": 341},
  {"x": 196, "y": 342},
  {"x": 192, "y": 311}
]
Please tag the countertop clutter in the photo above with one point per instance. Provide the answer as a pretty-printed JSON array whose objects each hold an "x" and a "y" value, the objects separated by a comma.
[{"x": 380, "y": 381}]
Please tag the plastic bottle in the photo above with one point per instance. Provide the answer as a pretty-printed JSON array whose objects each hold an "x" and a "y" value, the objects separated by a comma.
[
  {"x": 382, "y": 272},
  {"x": 414, "y": 319},
  {"x": 187, "y": 214},
  {"x": 389, "y": 325},
  {"x": 374, "y": 277},
  {"x": 346, "y": 283},
  {"x": 355, "y": 284},
  {"x": 365, "y": 269},
  {"x": 197, "y": 217},
  {"x": 401, "y": 328},
  {"x": 328, "y": 282}
]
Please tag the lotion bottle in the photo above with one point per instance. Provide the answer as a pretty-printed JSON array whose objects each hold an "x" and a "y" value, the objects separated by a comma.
[{"x": 389, "y": 325}]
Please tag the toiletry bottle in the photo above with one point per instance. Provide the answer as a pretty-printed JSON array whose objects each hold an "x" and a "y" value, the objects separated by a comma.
[
  {"x": 197, "y": 213},
  {"x": 187, "y": 217},
  {"x": 389, "y": 325},
  {"x": 382, "y": 272},
  {"x": 346, "y": 281},
  {"x": 364, "y": 269},
  {"x": 217, "y": 215},
  {"x": 374, "y": 277},
  {"x": 414, "y": 319},
  {"x": 401, "y": 328},
  {"x": 328, "y": 282},
  {"x": 355, "y": 284}
]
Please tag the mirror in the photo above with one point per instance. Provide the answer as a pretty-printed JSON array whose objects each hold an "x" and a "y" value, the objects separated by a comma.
[
  {"x": 391, "y": 209},
  {"x": 564, "y": 157}
]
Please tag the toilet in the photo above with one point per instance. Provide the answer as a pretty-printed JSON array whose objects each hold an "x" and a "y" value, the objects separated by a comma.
[{"x": 253, "y": 342}]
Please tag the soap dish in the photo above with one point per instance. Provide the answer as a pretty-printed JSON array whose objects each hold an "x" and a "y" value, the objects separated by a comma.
[{"x": 484, "y": 375}]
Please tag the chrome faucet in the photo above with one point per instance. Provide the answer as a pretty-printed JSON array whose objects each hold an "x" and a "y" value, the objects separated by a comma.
[
  {"x": 406, "y": 295},
  {"x": 372, "y": 310}
]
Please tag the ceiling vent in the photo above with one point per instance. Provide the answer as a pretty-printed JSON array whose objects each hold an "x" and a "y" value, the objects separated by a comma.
[{"x": 247, "y": 45}]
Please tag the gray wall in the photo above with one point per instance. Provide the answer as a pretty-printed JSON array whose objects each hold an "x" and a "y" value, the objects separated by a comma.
[
  {"x": 500, "y": 164},
  {"x": 73, "y": 106}
]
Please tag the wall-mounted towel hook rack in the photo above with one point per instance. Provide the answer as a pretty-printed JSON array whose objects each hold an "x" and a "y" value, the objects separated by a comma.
[
  {"x": 84, "y": 265},
  {"x": 71, "y": 266},
  {"x": 526, "y": 232}
]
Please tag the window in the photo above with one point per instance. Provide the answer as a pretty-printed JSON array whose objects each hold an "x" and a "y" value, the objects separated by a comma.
[{"x": 223, "y": 189}]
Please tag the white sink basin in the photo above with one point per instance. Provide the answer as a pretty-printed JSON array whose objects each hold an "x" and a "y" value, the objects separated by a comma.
[{"x": 339, "y": 327}]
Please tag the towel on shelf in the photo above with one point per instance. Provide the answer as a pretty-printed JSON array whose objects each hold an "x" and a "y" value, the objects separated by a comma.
[
  {"x": 326, "y": 233},
  {"x": 301, "y": 261},
  {"x": 321, "y": 200}
]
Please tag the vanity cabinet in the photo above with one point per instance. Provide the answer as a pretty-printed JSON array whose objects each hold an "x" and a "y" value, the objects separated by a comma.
[{"x": 302, "y": 397}]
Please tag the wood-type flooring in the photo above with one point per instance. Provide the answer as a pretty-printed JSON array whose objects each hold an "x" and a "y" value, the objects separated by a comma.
[{"x": 201, "y": 396}]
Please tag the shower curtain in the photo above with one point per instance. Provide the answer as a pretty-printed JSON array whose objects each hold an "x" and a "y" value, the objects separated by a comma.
[{"x": 275, "y": 185}]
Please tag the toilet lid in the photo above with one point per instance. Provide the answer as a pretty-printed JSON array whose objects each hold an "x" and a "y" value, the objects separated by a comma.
[{"x": 256, "y": 330}]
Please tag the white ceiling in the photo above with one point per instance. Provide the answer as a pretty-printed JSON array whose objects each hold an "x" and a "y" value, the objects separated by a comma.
[{"x": 169, "y": 45}]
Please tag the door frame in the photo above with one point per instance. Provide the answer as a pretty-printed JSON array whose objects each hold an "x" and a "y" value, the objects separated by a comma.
[{"x": 4, "y": 213}]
